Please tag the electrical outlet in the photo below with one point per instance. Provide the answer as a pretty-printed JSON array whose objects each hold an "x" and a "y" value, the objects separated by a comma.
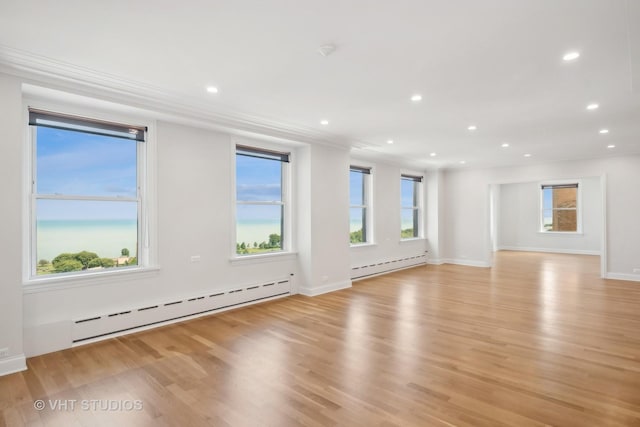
[{"x": 4, "y": 352}]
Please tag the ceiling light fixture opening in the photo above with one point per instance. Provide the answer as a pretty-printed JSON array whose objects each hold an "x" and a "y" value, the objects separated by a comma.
[
  {"x": 326, "y": 49},
  {"x": 593, "y": 106},
  {"x": 611, "y": 146},
  {"x": 527, "y": 155},
  {"x": 505, "y": 145},
  {"x": 571, "y": 56},
  {"x": 324, "y": 122},
  {"x": 212, "y": 89},
  {"x": 433, "y": 154},
  {"x": 604, "y": 131},
  {"x": 390, "y": 141},
  {"x": 473, "y": 127},
  {"x": 416, "y": 98}
]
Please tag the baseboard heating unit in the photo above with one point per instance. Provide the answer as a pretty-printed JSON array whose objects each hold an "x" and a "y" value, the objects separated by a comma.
[
  {"x": 387, "y": 266},
  {"x": 101, "y": 326}
]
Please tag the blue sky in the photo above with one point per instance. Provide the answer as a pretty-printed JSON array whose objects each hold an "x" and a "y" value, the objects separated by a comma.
[
  {"x": 77, "y": 163},
  {"x": 406, "y": 192},
  {"x": 258, "y": 180},
  {"x": 355, "y": 188}
]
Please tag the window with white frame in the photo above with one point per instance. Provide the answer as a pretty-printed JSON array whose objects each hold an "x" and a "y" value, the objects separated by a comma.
[
  {"x": 560, "y": 207},
  {"x": 86, "y": 195},
  {"x": 359, "y": 205},
  {"x": 410, "y": 201},
  {"x": 261, "y": 200}
]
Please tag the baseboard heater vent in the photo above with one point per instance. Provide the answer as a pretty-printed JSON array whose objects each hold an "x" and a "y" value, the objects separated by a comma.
[
  {"x": 387, "y": 266},
  {"x": 130, "y": 319}
]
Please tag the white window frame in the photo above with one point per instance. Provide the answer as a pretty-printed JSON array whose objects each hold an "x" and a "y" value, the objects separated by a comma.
[
  {"x": 286, "y": 202},
  {"x": 578, "y": 208},
  {"x": 367, "y": 206},
  {"x": 419, "y": 206},
  {"x": 146, "y": 182}
]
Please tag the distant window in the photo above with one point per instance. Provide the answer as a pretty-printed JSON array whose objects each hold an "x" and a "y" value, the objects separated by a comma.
[
  {"x": 86, "y": 198},
  {"x": 559, "y": 211},
  {"x": 410, "y": 189},
  {"x": 359, "y": 205},
  {"x": 261, "y": 200}
]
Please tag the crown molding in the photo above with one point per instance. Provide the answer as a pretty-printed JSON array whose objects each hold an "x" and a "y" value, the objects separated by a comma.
[{"x": 58, "y": 75}]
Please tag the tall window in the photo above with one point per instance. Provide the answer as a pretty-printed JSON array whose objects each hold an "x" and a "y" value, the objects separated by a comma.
[
  {"x": 359, "y": 196},
  {"x": 85, "y": 194},
  {"x": 560, "y": 208},
  {"x": 261, "y": 200},
  {"x": 410, "y": 206}
]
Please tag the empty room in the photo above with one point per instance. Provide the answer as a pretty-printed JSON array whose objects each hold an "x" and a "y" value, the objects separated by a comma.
[{"x": 320, "y": 213}]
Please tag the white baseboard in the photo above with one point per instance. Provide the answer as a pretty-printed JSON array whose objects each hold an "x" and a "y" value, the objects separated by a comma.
[
  {"x": 467, "y": 262},
  {"x": 548, "y": 250},
  {"x": 383, "y": 273},
  {"x": 623, "y": 276},
  {"x": 13, "y": 364},
  {"x": 319, "y": 290},
  {"x": 435, "y": 261}
]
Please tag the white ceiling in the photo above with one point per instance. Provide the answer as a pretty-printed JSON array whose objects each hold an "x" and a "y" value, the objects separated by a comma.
[{"x": 493, "y": 63}]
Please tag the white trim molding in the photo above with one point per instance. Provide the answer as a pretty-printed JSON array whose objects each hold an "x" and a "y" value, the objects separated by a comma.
[
  {"x": 319, "y": 290},
  {"x": 623, "y": 276},
  {"x": 548, "y": 250},
  {"x": 13, "y": 364},
  {"x": 466, "y": 262}
]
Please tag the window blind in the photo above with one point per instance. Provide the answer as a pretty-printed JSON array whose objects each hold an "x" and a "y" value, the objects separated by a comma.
[
  {"x": 86, "y": 125},
  {"x": 411, "y": 178},
  {"x": 242, "y": 150}
]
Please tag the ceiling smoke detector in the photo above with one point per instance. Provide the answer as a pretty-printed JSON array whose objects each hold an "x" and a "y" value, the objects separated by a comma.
[{"x": 326, "y": 49}]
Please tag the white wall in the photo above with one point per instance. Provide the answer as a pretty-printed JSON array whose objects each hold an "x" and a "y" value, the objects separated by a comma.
[
  {"x": 466, "y": 200},
  {"x": 386, "y": 218},
  {"x": 11, "y": 160},
  {"x": 519, "y": 225},
  {"x": 323, "y": 237}
]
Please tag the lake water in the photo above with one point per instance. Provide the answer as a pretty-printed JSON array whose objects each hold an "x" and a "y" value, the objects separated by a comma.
[{"x": 107, "y": 238}]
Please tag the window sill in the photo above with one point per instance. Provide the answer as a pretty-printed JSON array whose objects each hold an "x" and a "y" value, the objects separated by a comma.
[
  {"x": 363, "y": 245},
  {"x": 45, "y": 284},
  {"x": 413, "y": 239},
  {"x": 272, "y": 257},
  {"x": 562, "y": 233}
]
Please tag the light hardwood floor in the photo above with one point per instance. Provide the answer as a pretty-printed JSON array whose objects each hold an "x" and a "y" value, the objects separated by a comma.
[{"x": 537, "y": 340}]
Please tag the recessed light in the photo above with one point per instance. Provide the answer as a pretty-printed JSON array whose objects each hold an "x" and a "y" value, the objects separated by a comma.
[
  {"x": 570, "y": 56},
  {"x": 462, "y": 162},
  {"x": 611, "y": 146},
  {"x": 527, "y": 155},
  {"x": 593, "y": 106},
  {"x": 505, "y": 145},
  {"x": 390, "y": 141},
  {"x": 212, "y": 89},
  {"x": 433, "y": 154},
  {"x": 472, "y": 127},
  {"x": 324, "y": 122},
  {"x": 603, "y": 131},
  {"x": 416, "y": 98}
]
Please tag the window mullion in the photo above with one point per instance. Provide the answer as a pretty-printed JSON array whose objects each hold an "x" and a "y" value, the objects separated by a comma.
[
  {"x": 260, "y": 202},
  {"x": 88, "y": 198}
]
